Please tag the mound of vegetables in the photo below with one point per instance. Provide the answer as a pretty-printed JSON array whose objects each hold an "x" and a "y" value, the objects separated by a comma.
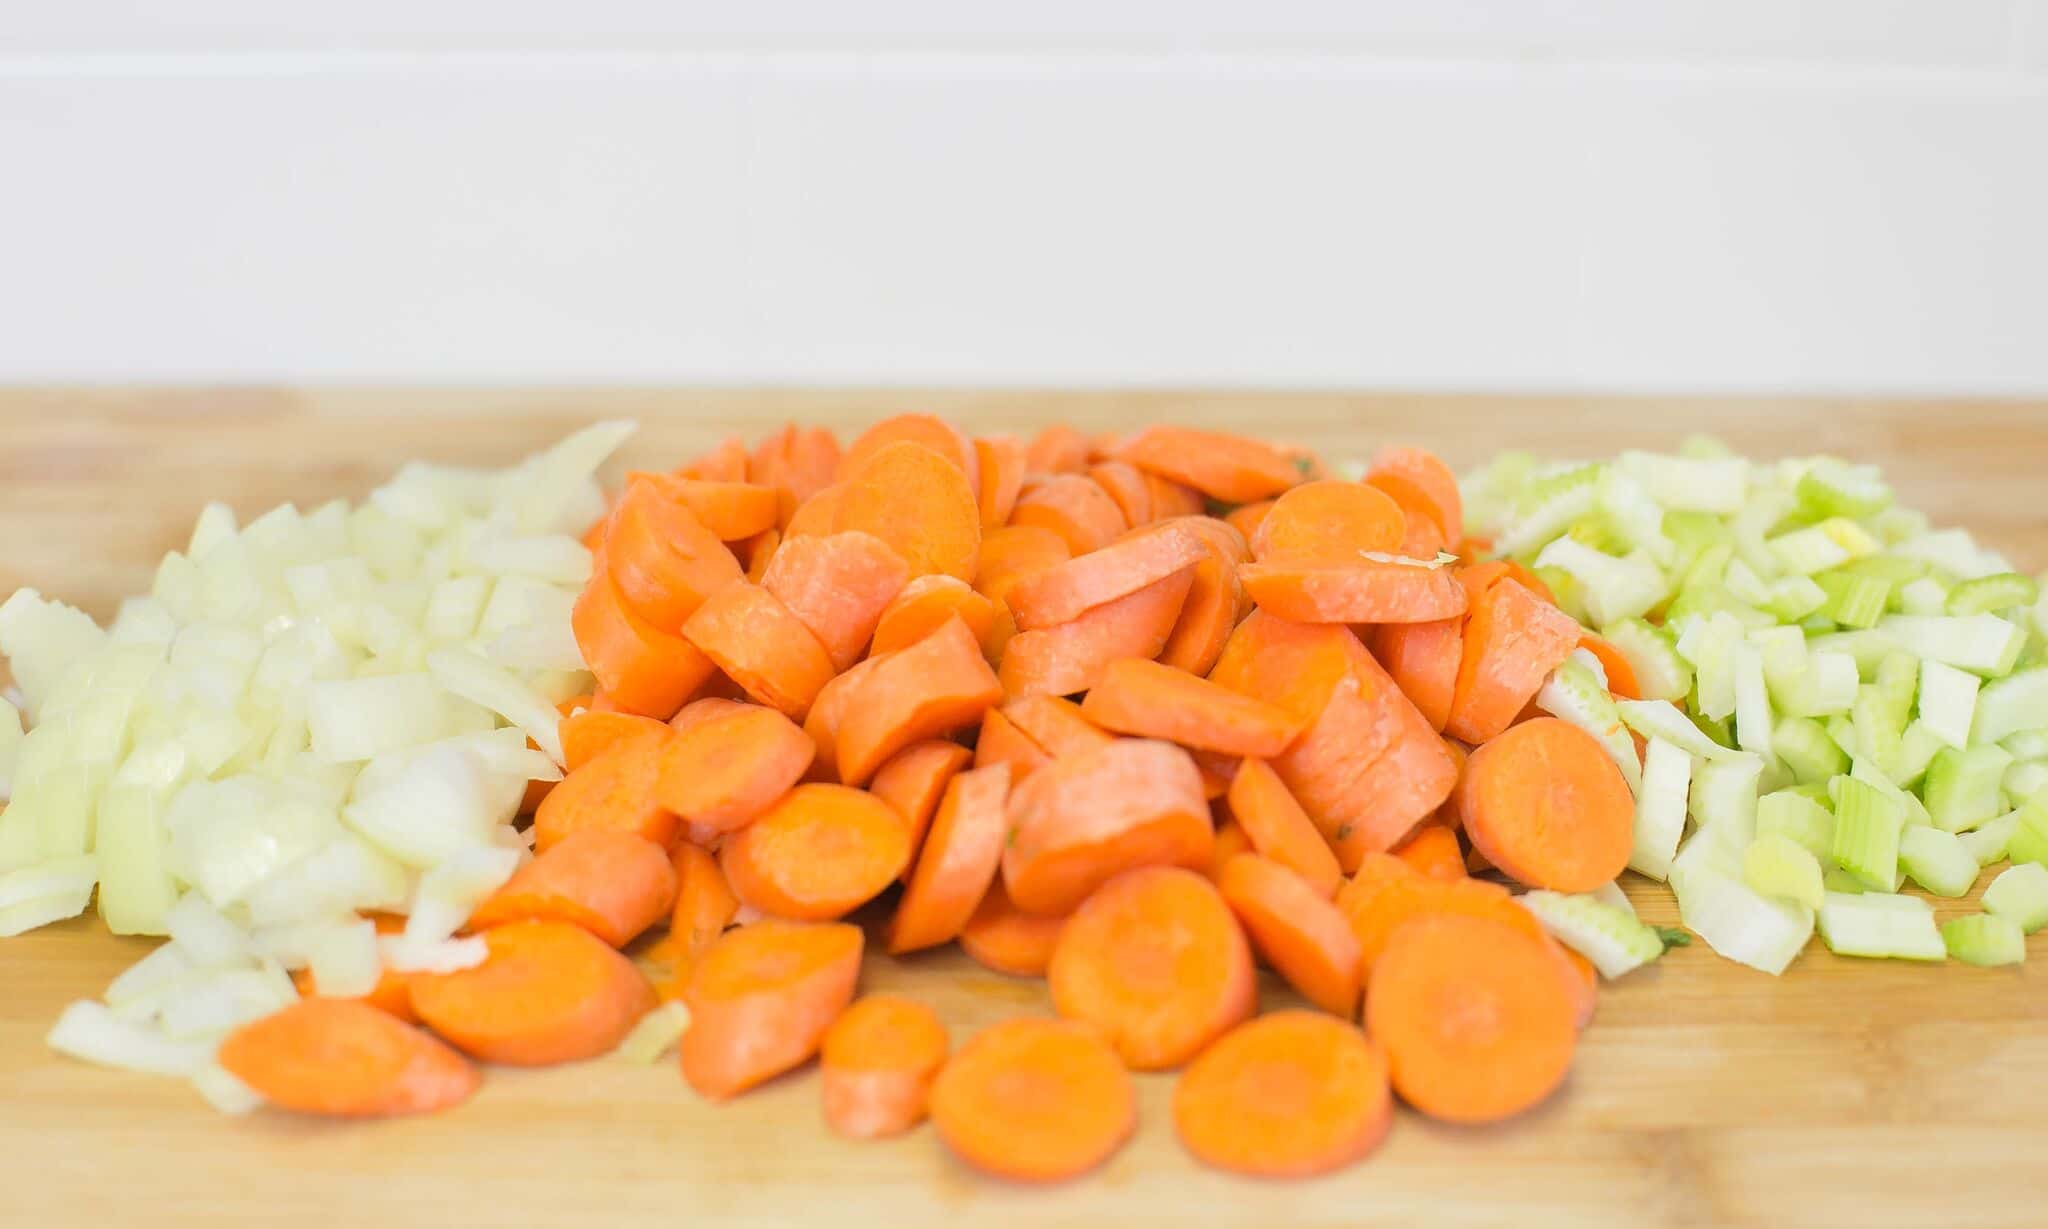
[
  {"x": 431, "y": 782},
  {"x": 1840, "y": 698}
]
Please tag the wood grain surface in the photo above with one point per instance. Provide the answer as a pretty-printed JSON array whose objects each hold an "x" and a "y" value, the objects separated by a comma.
[{"x": 1845, "y": 1093}]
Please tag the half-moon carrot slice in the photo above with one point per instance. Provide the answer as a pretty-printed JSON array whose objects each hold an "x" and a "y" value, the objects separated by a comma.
[
  {"x": 960, "y": 859},
  {"x": 1370, "y": 591},
  {"x": 761, "y": 1000},
  {"x": 1621, "y": 675},
  {"x": 1125, "y": 483},
  {"x": 1231, "y": 842},
  {"x": 705, "y": 904},
  {"x": 1069, "y": 658},
  {"x": 1002, "y": 477},
  {"x": 1004, "y": 938},
  {"x": 762, "y": 646},
  {"x": 877, "y": 1065},
  {"x": 817, "y": 855},
  {"x": 1059, "y": 726},
  {"x": 640, "y": 668},
  {"x": 914, "y": 781},
  {"x": 1059, "y": 449},
  {"x": 924, "y": 605},
  {"x": 1423, "y": 534},
  {"x": 724, "y": 770},
  {"x": 816, "y": 516},
  {"x": 925, "y": 430},
  {"x": 838, "y": 585},
  {"x": 344, "y": 1058},
  {"x": 1148, "y": 700},
  {"x": 1275, "y": 826},
  {"x": 1513, "y": 641},
  {"x": 918, "y": 502},
  {"x": 614, "y": 791},
  {"x": 730, "y": 510},
  {"x": 587, "y": 732},
  {"x": 1011, "y": 553},
  {"x": 1547, "y": 806},
  {"x": 1433, "y": 849},
  {"x": 1066, "y": 591},
  {"x": 1232, "y": 468},
  {"x": 1001, "y": 742},
  {"x": 726, "y": 462},
  {"x": 612, "y": 884},
  {"x": 1422, "y": 659},
  {"x": 549, "y": 992},
  {"x": 1171, "y": 499},
  {"x": 1080, "y": 821},
  {"x": 1327, "y": 524},
  {"x": 1072, "y": 506},
  {"x": 829, "y": 711},
  {"x": 1157, "y": 962},
  {"x": 934, "y": 687},
  {"x": 1034, "y": 1101},
  {"x": 1430, "y": 476},
  {"x": 1246, "y": 518},
  {"x": 1475, "y": 1021},
  {"x": 1288, "y": 1095},
  {"x": 1296, "y": 928},
  {"x": 1211, "y": 609},
  {"x": 663, "y": 559}
]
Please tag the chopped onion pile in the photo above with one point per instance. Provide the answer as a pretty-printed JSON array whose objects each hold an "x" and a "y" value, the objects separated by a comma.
[
  {"x": 309, "y": 718},
  {"x": 1837, "y": 699}
]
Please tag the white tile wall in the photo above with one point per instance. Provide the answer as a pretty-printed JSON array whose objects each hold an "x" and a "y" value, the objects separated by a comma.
[{"x": 1803, "y": 195}]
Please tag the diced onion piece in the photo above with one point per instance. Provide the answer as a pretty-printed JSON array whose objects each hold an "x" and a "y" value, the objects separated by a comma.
[
  {"x": 451, "y": 891},
  {"x": 356, "y": 719},
  {"x": 534, "y": 495},
  {"x": 10, "y": 746},
  {"x": 656, "y": 1033},
  {"x": 162, "y": 967},
  {"x": 206, "y": 938},
  {"x": 223, "y": 1091},
  {"x": 42, "y": 910},
  {"x": 344, "y": 960},
  {"x": 90, "y": 1032},
  {"x": 223, "y": 1001},
  {"x": 495, "y": 688},
  {"x": 2020, "y": 893},
  {"x": 42, "y": 639},
  {"x": 438, "y": 805},
  {"x": 64, "y": 877}
]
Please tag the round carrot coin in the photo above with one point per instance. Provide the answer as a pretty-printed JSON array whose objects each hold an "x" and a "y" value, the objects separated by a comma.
[
  {"x": 1546, "y": 805},
  {"x": 1288, "y": 1095},
  {"x": 1034, "y": 1101}
]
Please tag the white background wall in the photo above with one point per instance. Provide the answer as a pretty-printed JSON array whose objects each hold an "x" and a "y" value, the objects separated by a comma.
[{"x": 1790, "y": 195}]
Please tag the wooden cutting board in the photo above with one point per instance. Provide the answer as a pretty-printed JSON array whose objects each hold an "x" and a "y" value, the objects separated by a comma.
[{"x": 1845, "y": 1093}]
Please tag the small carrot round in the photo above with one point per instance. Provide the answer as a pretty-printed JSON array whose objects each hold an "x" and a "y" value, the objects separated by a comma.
[
  {"x": 960, "y": 859},
  {"x": 818, "y": 854},
  {"x": 924, "y": 605},
  {"x": 877, "y": 1063},
  {"x": 705, "y": 904},
  {"x": 1059, "y": 661},
  {"x": 1001, "y": 742},
  {"x": 1232, "y": 468},
  {"x": 1157, "y": 962},
  {"x": 1422, "y": 534},
  {"x": 614, "y": 790},
  {"x": 1289, "y": 1095},
  {"x": 1422, "y": 659},
  {"x": 761, "y": 1000},
  {"x": 1476, "y": 1023},
  {"x": 726, "y": 462},
  {"x": 1002, "y": 462},
  {"x": 344, "y": 1058},
  {"x": 1430, "y": 476},
  {"x": 587, "y": 732},
  {"x": 640, "y": 667},
  {"x": 1208, "y": 613},
  {"x": 1012, "y": 553},
  {"x": 838, "y": 585},
  {"x": 1246, "y": 518},
  {"x": 816, "y": 515},
  {"x": 1327, "y": 524},
  {"x": 1072, "y": 506},
  {"x": 762, "y": 646},
  {"x": 1547, "y": 805},
  {"x": 914, "y": 782},
  {"x": 1059, "y": 726},
  {"x": 1066, "y": 591},
  {"x": 1059, "y": 449},
  {"x": 731, "y": 510},
  {"x": 1275, "y": 826},
  {"x": 926, "y": 430},
  {"x": 1148, "y": 700},
  {"x": 1621, "y": 675},
  {"x": 1369, "y": 591},
  {"x": 1513, "y": 640},
  {"x": 549, "y": 992},
  {"x": 918, "y": 502},
  {"x": 1004, "y": 938},
  {"x": 663, "y": 559},
  {"x": 1296, "y": 928},
  {"x": 612, "y": 884},
  {"x": 1034, "y": 1101},
  {"x": 796, "y": 463},
  {"x": 932, "y": 688},
  {"x": 1433, "y": 849},
  {"x": 1126, "y": 485},
  {"x": 391, "y": 995},
  {"x": 1081, "y": 821},
  {"x": 724, "y": 770}
]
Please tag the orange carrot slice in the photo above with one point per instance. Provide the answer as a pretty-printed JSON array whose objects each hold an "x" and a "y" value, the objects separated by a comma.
[
  {"x": 838, "y": 585},
  {"x": 1004, "y": 938},
  {"x": 878, "y": 1062},
  {"x": 587, "y": 732},
  {"x": 614, "y": 791},
  {"x": 960, "y": 859},
  {"x": 1170, "y": 499},
  {"x": 1080, "y": 821},
  {"x": 1369, "y": 591},
  {"x": 727, "y": 462},
  {"x": 1423, "y": 534},
  {"x": 1289, "y": 1095},
  {"x": 1066, "y": 591},
  {"x": 935, "y": 686},
  {"x": 1546, "y": 805},
  {"x": 641, "y": 668},
  {"x": 1014, "y": 552},
  {"x": 918, "y": 502},
  {"x": 1034, "y": 1101},
  {"x": 1231, "y": 468},
  {"x": 1327, "y": 524},
  {"x": 1211, "y": 609},
  {"x": 759, "y": 552},
  {"x": 727, "y": 768},
  {"x": 1433, "y": 849},
  {"x": 1155, "y": 961},
  {"x": 663, "y": 559},
  {"x": 1002, "y": 465},
  {"x": 731, "y": 510},
  {"x": 1072, "y": 506},
  {"x": 1422, "y": 659},
  {"x": 828, "y": 713},
  {"x": 1231, "y": 842},
  {"x": 1513, "y": 641},
  {"x": 549, "y": 992},
  {"x": 1059, "y": 661},
  {"x": 1476, "y": 1025},
  {"x": 1430, "y": 476},
  {"x": 1125, "y": 484},
  {"x": 926, "y": 430},
  {"x": 1246, "y": 518},
  {"x": 1296, "y": 928},
  {"x": 923, "y": 607},
  {"x": 1001, "y": 742},
  {"x": 1059, "y": 449},
  {"x": 346, "y": 1059},
  {"x": 1059, "y": 726},
  {"x": 816, "y": 855},
  {"x": 914, "y": 781},
  {"x": 816, "y": 516},
  {"x": 612, "y": 884},
  {"x": 761, "y": 1000},
  {"x": 705, "y": 904},
  {"x": 762, "y": 646},
  {"x": 1148, "y": 700},
  {"x": 1275, "y": 825}
]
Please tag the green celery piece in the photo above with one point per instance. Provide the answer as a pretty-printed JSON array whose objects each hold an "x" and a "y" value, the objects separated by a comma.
[
  {"x": 1895, "y": 570},
  {"x": 1984, "y": 939},
  {"x": 2020, "y": 893},
  {"x": 2027, "y": 780},
  {"x": 1830, "y": 487},
  {"x": 1660, "y": 672},
  {"x": 1805, "y": 748},
  {"x": 1963, "y": 786},
  {"x": 1987, "y": 841},
  {"x": 2008, "y": 706},
  {"x": 1937, "y": 860},
  {"x": 1777, "y": 865},
  {"x": 2024, "y": 744},
  {"x": 1852, "y": 600},
  {"x": 2029, "y": 840},
  {"x": 1866, "y": 837},
  {"x": 1611, "y": 938},
  {"x": 2001, "y": 591},
  {"x": 1797, "y": 817},
  {"x": 1880, "y": 925},
  {"x": 1869, "y": 648}
]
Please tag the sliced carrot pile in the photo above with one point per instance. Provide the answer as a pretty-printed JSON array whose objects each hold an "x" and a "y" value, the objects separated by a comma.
[
  {"x": 1121, "y": 709},
  {"x": 346, "y": 1059}
]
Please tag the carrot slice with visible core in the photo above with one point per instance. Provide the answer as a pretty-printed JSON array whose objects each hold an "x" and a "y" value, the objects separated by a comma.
[
  {"x": 1059, "y": 661},
  {"x": 762, "y": 646},
  {"x": 923, "y": 607},
  {"x": 612, "y": 884},
  {"x": 761, "y": 1000},
  {"x": 1369, "y": 591},
  {"x": 1157, "y": 962},
  {"x": 1288, "y": 1095},
  {"x": 344, "y": 1058},
  {"x": 818, "y": 854},
  {"x": 1232, "y": 468},
  {"x": 549, "y": 992},
  {"x": 1547, "y": 806},
  {"x": 731, "y": 765},
  {"x": 960, "y": 859},
  {"x": 914, "y": 781},
  {"x": 1327, "y": 524},
  {"x": 838, "y": 585},
  {"x": 1146, "y": 699},
  {"x": 1080, "y": 821},
  {"x": 1066, "y": 591},
  {"x": 877, "y": 1063},
  {"x": 1034, "y": 1101},
  {"x": 1296, "y": 928},
  {"x": 919, "y": 503},
  {"x": 614, "y": 791},
  {"x": 1072, "y": 506},
  {"x": 935, "y": 686},
  {"x": 1002, "y": 937}
]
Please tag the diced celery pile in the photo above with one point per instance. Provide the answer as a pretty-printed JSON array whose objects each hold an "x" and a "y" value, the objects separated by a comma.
[{"x": 1839, "y": 699}]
